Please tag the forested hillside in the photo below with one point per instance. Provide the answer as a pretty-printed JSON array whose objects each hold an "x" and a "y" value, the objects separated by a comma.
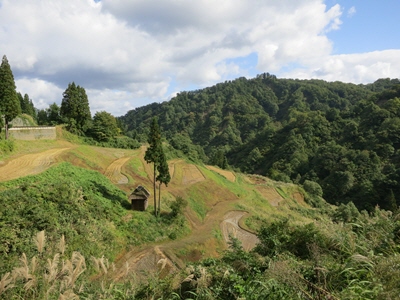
[{"x": 344, "y": 137}]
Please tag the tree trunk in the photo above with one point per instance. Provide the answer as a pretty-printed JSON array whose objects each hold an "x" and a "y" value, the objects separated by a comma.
[
  {"x": 154, "y": 185},
  {"x": 6, "y": 127},
  {"x": 159, "y": 198}
]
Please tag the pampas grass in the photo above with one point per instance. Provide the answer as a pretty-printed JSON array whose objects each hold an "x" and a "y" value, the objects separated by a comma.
[
  {"x": 40, "y": 241},
  {"x": 62, "y": 245},
  {"x": 6, "y": 283}
]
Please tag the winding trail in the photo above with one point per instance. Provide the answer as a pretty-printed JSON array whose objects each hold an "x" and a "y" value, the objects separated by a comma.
[
  {"x": 230, "y": 227},
  {"x": 157, "y": 258},
  {"x": 29, "y": 164}
]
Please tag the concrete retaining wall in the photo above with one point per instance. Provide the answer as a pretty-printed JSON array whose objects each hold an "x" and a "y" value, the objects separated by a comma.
[{"x": 33, "y": 133}]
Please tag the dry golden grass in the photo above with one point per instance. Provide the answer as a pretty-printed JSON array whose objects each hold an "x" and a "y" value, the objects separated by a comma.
[{"x": 227, "y": 174}]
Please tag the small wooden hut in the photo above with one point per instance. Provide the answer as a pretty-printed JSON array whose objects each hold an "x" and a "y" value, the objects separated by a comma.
[{"x": 139, "y": 198}]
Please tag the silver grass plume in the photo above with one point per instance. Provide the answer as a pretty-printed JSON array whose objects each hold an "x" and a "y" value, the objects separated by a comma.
[
  {"x": 61, "y": 245},
  {"x": 6, "y": 283},
  {"x": 40, "y": 240},
  {"x": 52, "y": 268}
]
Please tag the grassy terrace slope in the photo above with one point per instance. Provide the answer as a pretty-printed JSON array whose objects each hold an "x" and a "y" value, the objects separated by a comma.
[{"x": 80, "y": 192}]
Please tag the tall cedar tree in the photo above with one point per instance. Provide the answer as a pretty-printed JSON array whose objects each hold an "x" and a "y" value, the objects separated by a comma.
[
  {"x": 75, "y": 108},
  {"x": 27, "y": 106},
  {"x": 153, "y": 153},
  {"x": 9, "y": 102},
  {"x": 163, "y": 175}
]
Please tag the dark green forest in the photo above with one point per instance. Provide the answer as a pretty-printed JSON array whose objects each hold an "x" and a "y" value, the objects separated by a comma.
[{"x": 341, "y": 136}]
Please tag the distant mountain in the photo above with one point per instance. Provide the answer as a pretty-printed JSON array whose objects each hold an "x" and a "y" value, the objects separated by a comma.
[{"x": 343, "y": 136}]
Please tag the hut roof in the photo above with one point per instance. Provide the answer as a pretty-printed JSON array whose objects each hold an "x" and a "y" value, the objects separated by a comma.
[{"x": 141, "y": 191}]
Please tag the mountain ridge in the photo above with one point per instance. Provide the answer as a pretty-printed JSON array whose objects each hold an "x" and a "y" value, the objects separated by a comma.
[{"x": 285, "y": 129}]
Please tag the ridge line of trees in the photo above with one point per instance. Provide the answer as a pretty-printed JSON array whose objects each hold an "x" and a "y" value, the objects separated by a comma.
[{"x": 344, "y": 137}]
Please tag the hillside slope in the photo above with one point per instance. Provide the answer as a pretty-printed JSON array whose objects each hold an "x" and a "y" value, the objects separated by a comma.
[
  {"x": 213, "y": 196},
  {"x": 69, "y": 232}
]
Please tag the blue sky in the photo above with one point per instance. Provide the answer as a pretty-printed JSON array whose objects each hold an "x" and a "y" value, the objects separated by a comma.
[
  {"x": 373, "y": 26},
  {"x": 129, "y": 53}
]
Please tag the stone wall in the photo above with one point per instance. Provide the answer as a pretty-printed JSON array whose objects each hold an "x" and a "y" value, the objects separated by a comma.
[{"x": 33, "y": 133}]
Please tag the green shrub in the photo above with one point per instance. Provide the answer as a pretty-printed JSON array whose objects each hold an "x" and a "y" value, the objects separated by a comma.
[
  {"x": 313, "y": 188},
  {"x": 346, "y": 213},
  {"x": 6, "y": 146},
  {"x": 178, "y": 206}
]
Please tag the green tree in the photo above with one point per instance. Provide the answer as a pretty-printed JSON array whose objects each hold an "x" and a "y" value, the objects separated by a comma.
[
  {"x": 26, "y": 104},
  {"x": 390, "y": 202},
  {"x": 53, "y": 114},
  {"x": 163, "y": 175},
  {"x": 75, "y": 108},
  {"x": 153, "y": 153},
  {"x": 104, "y": 126},
  {"x": 42, "y": 117},
  {"x": 9, "y": 103}
]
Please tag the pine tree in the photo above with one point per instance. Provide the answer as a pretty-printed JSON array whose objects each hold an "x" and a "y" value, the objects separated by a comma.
[
  {"x": 153, "y": 153},
  {"x": 163, "y": 176},
  {"x": 26, "y": 104},
  {"x": 9, "y": 102},
  {"x": 29, "y": 107},
  {"x": 75, "y": 108}
]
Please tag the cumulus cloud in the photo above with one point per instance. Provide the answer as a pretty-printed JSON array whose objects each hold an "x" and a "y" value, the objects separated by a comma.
[
  {"x": 127, "y": 53},
  {"x": 356, "y": 68}
]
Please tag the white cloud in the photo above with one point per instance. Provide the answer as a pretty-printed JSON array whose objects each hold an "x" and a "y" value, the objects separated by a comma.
[
  {"x": 351, "y": 12},
  {"x": 127, "y": 53},
  {"x": 41, "y": 92},
  {"x": 356, "y": 68}
]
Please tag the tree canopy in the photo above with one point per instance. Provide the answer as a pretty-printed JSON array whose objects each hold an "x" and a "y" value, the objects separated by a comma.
[
  {"x": 9, "y": 102},
  {"x": 104, "y": 126},
  {"x": 26, "y": 104},
  {"x": 75, "y": 108}
]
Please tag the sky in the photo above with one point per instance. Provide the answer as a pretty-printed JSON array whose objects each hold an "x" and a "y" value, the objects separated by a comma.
[{"x": 129, "y": 53}]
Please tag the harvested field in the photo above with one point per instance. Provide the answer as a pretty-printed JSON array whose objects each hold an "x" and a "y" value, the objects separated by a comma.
[
  {"x": 227, "y": 174},
  {"x": 113, "y": 171},
  {"x": 29, "y": 164},
  {"x": 270, "y": 194},
  {"x": 191, "y": 174}
]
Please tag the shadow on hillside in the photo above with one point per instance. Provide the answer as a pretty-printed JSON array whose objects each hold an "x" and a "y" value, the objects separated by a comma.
[{"x": 112, "y": 195}]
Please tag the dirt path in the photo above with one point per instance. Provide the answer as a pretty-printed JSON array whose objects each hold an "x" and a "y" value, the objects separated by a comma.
[
  {"x": 230, "y": 227},
  {"x": 113, "y": 171},
  {"x": 29, "y": 164},
  {"x": 161, "y": 258}
]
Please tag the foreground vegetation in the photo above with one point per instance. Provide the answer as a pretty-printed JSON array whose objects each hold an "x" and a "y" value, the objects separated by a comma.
[
  {"x": 83, "y": 206},
  {"x": 358, "y": 259}
]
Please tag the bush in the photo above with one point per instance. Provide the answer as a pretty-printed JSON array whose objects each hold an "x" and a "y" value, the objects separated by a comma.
[
  {"x": 313, "y": 188},
  {"x": 122, "y": 142},
  {"x": 178, "y": 206},
  {"x": 6, "y": 146},
  {"x": 346, "y": 213}
]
